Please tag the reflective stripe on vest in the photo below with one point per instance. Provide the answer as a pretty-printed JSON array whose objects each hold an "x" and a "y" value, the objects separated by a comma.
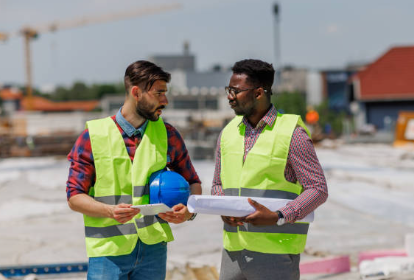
[
  {"x": 261, "y": 175},
  {"x": 118, "y": 180},
  {"x": 297, "y": 228},
  {"x": 260, "y": 193}
]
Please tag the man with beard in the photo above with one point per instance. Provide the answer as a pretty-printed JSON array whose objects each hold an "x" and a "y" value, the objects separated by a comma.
[
  {"x": 262, "y": 153},
  {"x": 110, "y": 165}
]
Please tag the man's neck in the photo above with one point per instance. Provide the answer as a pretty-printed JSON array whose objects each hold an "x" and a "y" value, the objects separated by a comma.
[
  {"x": 255, "y": 118},
  {"x": 130, "y": 114}
]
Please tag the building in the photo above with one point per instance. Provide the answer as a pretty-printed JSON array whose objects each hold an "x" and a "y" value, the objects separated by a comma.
[
  {"x": 185, "y": 61},
  {"x": 10, "y": 98},
  {"x": 39, "y": 117},
  {"x": 337, "y": 90},
  {"x": 301, "y": 80},
  {"x": 385, "y": 87},
  {"x": 14, "y": 101},
  {"x": 292, "y": 80}
]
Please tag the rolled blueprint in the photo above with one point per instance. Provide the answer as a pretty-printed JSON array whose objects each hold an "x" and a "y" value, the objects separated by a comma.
[{"x": 235, "y": 206}]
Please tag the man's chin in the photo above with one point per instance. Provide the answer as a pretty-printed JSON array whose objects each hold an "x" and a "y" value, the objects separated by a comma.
[
  {"x": 154, "y": 118},
  {"x": 238, "y": 112}
]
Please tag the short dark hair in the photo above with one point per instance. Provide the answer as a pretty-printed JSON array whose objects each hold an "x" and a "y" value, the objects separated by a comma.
[
  {"x": 144, "y": 74},
  {"x": 259, "y": 73}
]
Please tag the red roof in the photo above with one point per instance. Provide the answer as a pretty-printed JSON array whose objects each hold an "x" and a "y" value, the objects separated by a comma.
[
  {"x": 43, "y": 104},
  {"x": 10, "y": 94},
  {"x": 390, "y": 77}
]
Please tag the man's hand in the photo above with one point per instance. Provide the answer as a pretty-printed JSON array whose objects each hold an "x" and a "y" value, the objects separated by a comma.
[
  {"x": 233, "y": 221},
  {"x": 262, "y": 216},
  {"x": 123, "y": 212},
  {"x": 179, "y": 214}
]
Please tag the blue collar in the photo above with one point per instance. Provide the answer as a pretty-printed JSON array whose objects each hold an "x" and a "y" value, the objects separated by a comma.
[{"x": 128, "y": 128}]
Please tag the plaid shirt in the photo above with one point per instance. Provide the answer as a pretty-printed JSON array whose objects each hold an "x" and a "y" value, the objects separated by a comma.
[
  {"x": 302, "y": 166},
  {"x": 82, "y": 168}
]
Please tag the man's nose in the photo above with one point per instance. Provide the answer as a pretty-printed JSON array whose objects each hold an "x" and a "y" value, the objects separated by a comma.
[{"x": 164, "y": 100}]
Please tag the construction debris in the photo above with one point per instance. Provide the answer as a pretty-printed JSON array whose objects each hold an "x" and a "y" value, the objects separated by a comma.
[{"x": 387, "y": 267}]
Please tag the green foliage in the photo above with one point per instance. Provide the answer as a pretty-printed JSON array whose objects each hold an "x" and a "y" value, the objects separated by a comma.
[
  {"x": 61, "y": 94},
  {"x": 331, "y": 118},
  {"x": 82, "y": 91},
  {"x": 290, "y": 103},
  {"x": 101, "y": 90},
  {"x": 295, "y": 103}
]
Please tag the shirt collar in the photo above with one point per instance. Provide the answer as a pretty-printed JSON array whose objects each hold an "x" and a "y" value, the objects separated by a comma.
[
  {"x": 128, "y": 128},
  {"x": 268, "y": 119}
]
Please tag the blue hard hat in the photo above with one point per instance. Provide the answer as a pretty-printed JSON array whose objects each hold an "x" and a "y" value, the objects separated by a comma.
[{"x": 168, "y": 187}]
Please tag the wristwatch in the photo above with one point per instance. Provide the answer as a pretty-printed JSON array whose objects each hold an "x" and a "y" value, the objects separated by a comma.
[
  {"x": 281, "y": 220},
  {"x": 192, "y": 217}
]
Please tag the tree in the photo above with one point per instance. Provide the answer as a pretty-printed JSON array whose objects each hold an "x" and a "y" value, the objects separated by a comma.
[
  {"x": 290, "y": 103},
  {"x": 80, "y": 91},
  {"x": 331, "y": 118},
  {"x": 102, "y": 89}
]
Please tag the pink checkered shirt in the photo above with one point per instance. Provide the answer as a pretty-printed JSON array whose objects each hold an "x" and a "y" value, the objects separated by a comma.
[{"x": 302, "y": 166}]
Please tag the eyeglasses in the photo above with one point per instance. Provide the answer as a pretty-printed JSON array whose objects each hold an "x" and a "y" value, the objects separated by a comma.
[{"x": 234, "y": 91}]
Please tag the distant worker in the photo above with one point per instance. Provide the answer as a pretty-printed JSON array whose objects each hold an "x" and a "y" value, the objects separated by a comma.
[
  {"x": 110, "y": 166},
  {"x": 312, "y": 116},
  {"x": 262, "y": 153},
  {"x": 311, "y": 119}
]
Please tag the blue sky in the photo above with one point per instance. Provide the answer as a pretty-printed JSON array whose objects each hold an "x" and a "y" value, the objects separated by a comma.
[{"x": 317, "y": 34}]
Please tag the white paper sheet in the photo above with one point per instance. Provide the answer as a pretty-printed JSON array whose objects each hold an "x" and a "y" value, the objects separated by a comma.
[
  {"x": 152, "y": 209},
  {"x": 234, "y": 206}
]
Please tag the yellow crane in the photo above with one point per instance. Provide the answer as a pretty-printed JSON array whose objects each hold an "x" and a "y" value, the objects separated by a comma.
[{"x": 30, "y": 33}]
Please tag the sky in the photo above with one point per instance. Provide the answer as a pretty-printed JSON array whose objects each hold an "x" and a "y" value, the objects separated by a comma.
[{"x": 316, "y": 34}]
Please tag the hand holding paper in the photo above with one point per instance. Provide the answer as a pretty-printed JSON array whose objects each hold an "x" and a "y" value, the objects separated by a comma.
[
  {"x": 262, "y": 216},
  {"x": 152, "y": 209},
  {"x": 179, "y": 215},
  {"x": 234, "y": 206}
]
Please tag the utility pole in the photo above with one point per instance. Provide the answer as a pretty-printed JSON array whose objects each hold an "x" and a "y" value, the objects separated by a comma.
[{"x": 277, "y": 60}]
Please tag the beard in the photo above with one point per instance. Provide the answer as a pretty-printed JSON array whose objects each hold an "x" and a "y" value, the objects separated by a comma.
[
  {"x": 238, "y": 111},
  {"x": 245, "y": 109},
  {"x": 145, "y": 110}
]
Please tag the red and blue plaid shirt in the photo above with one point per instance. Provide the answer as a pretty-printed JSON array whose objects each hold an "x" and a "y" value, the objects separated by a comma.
[
  {"x": 82, "y": 168},
  {"x": 302, "y": 166}
]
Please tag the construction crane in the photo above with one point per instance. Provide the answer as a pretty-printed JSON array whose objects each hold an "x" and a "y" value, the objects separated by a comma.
[{"x": 30, "y": 33}]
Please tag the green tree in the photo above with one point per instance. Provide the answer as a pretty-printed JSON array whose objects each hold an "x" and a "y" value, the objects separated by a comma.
[
  {"x": 290, "y": 103},
  {"x": 80, "y": 91},
  {"x": 328, "y": 117},
  {"x": 101, "y": 90},
  {"x": 61, "y": 94}
]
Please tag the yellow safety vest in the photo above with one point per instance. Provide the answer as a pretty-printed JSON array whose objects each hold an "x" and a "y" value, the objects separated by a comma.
[
  {"x": 118, "y": 180},
  {"x": 261, "y": 175}
]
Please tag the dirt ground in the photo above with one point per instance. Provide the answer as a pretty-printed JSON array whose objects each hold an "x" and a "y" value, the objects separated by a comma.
[{"x": 369, "y": 207}]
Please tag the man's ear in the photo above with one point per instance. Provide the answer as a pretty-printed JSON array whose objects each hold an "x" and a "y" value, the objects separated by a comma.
[
  {"x": 136, "y": 92},
  {"x": 259, "y": 93}
]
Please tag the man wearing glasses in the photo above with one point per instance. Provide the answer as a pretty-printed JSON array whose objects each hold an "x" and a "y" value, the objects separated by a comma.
[{"x": 262, "y": 153}]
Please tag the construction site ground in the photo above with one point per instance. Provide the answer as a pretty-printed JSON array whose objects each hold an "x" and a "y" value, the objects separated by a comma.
[{"x": 369, "y": 208}]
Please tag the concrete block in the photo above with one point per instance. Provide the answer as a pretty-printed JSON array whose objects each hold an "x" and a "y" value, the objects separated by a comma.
[
  {"x": 387, "y": 267},
  {"x": 371, "y": 255},
  {"x": 331, "y": 265}
]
